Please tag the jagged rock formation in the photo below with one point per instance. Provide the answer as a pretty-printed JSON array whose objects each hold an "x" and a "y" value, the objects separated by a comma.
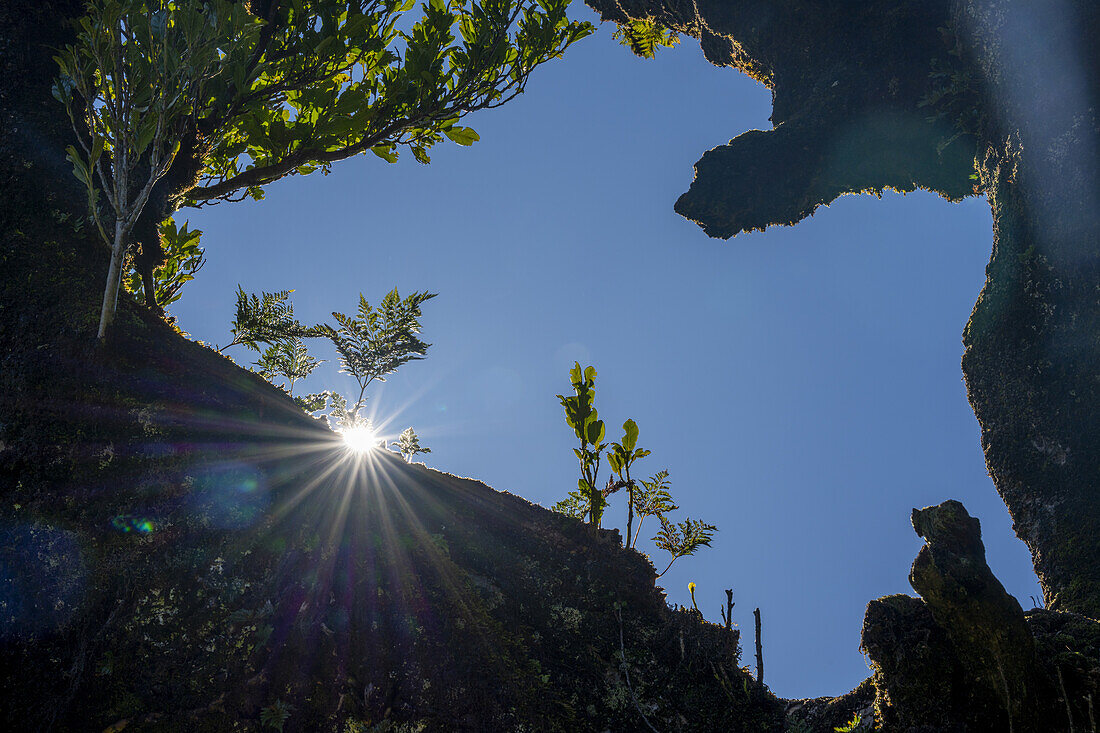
[
  {"x": 996, "y": 97},
  {"x": 983, "y": 623},
  {"x": 826, "y": 714},
  {"x": 182, "y": 549},
  {"x": 966, "y": 658}
]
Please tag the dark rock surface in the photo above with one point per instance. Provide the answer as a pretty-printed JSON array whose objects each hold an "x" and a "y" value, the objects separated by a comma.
[
  {"x": 996, "y": 97},
  {"x": 966, "y": 657},
  {"x": 183, "y": 549},
  {"x": 829, "y": 713},
  {"x": 984, "y": 624}
]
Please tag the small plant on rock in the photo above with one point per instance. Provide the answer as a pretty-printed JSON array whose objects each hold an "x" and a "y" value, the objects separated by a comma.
[
  {"x": 375, "y": 342},
  {"x": 653, "y": 500},
  {"x": 583, "y": 417},
  {"x": 408, "y": 445},
  {"x": 620, "y": 457},
  {"x": 265, "y": 319},
  {"x": 683, "y": 539},
  {"x": 275, "y": 715}
]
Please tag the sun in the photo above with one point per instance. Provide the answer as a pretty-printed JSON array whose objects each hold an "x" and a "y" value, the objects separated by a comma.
[{"x": 360, "y": 438}]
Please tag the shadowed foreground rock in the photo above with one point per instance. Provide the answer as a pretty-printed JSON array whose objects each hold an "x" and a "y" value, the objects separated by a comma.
[
  {"x": 182, "y": 549},
  {"x": 966, "y": 657}
]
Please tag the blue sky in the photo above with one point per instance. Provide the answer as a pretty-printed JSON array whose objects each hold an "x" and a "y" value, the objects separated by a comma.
[{"x": 801, "y": 385}]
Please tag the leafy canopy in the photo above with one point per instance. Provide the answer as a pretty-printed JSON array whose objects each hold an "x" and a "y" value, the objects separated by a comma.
[
  {"x": 309, "y": 83},
  {"x": 132, "y": 83},
  {"x": 130, "y": 86},
  {"x": 183, "y": 257},
  {"x": 186, "y": 102}
]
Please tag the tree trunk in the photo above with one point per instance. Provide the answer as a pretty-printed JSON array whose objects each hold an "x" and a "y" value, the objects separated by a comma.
[
  {"x": 149, "y": 285},
  {"x": 114, "y": 278}
]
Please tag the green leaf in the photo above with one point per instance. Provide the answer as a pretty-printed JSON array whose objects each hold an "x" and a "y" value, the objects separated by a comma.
[
  {"x": 575, "y": 374},
  {"x": 630, "y": 435},
  {"x": 462, "y": 135},
  {"x": 594, "y": 431}
]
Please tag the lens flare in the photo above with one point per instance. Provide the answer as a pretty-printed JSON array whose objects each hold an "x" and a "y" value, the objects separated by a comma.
[{"x": 360, "y": 438}]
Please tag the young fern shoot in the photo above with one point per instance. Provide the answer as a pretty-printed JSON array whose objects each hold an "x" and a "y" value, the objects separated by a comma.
[
  {"x": 289, "y": 360},
  {"x": 408, "y": 445}
]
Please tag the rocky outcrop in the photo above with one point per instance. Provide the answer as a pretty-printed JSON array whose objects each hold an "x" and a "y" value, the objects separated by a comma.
[
  {"x": 829, "y": 713},
  {"x": 183, "y": 549},
  {"x": 846, "y": 80},
  {"x": 983, "y": 623},
  {"x": 994, "y": 97},
  {"x": 966, "y": 657}
]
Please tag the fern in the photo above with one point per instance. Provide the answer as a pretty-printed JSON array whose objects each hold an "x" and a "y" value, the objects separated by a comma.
[
  {"x": 266, "y": 319},
  {"x": 575, "y": 505},
  {"x": 312, "y": 402},
  {"x": 378, "y": 341},
  {"x": 289, "y": 360},
  {"x": 339, "y": 416},
  {"x": 275, "y": 715},
  {"x": 653, "y": 500},
  {"x": 683, "y": 539},
  {"x": 645, "y": 36},
  {"x": 408, "y": 445}
]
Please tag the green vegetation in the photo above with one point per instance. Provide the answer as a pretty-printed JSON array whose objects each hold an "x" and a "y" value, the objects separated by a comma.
[
  {"x": 287, "y": 359},
  {"x": 408, "y": 445},
  {"x": 585, "y": 420},
  {"x": 620, "y": 457},
  {"x": 182, "y": 259},
  {"x": 265, "y": 319},
  {"x": 850, "y": 726},
  {"x": 183, "y": 102},
  {"x": 644, "y": 37},
  {"x": 129, "y": 85},
  {"x": 377, "y": 341},
  {"x": 652, "y": 499},
  {"x": 371, "y": 346},
  {"x": 683, "y": 539},
  {"x": 275, "y": 715}
]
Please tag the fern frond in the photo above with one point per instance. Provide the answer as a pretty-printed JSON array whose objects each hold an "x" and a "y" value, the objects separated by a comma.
[{"x": 643, "y": 37}]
